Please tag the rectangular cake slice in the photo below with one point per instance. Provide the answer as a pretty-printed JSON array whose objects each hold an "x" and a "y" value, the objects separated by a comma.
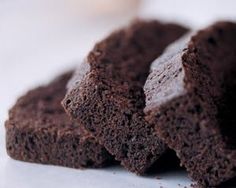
[
  {"x": 191, "y": 101},
  {"x": 106, "y": 94},
  {"x": 38, "y": 130}
]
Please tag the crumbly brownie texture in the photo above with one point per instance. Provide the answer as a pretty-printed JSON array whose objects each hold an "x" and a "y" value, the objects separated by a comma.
[
  {"x": 38, "y": 130},
  {"x": 191, "y": 100},
  {"x": 106, "y": 95}
]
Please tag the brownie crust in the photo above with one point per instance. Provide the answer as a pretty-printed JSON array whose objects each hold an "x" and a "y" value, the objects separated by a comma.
[
  {"x": 38, "y": 130},
  {"x": 191, "y": 99},
  {"x": 106, "y": 94}
]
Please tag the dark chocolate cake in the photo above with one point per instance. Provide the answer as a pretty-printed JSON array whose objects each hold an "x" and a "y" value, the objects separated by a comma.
[
  {"x": 191, "y": 101},
  {"x": 38, "y": 130},
  {"x": 106, "y": 95}
]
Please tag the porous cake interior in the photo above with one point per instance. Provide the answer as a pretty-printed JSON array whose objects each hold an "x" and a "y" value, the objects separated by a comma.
[{"x": 212, "y": 74}]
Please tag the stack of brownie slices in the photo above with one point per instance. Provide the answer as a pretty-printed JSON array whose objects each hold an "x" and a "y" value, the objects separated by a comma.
[{"x": 144, "y": 90}]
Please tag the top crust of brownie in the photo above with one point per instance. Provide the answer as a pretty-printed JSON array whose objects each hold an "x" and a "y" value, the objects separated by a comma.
[
  {"x": 166, "y": 78},
  {"x": 106, "y": 94},
  {"x": 38, "y": 108}
]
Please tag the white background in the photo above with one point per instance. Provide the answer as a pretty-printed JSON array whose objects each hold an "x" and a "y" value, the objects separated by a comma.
[{"x": 41, "y": 38}]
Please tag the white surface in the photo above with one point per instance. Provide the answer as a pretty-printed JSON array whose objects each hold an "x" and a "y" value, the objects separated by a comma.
[{"x": 40, "y": 38}]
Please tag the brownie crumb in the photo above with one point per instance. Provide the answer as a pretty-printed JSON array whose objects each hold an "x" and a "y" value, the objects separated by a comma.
[
  {"x": 106, "y": 94},
  {"x": 191, "y": 101},
  {"x": 38, "y": 130}
]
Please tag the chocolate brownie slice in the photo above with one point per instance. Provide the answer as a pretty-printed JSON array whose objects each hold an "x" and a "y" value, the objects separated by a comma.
[
  {"x": 191, "y": 100},
  {"x": 38, "y": 130},
  {"x": 106, "y": 95}
]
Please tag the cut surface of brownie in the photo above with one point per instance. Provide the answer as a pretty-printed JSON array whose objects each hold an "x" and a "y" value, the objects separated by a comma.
[
  {"x": 191, "y": 101},
  {"x": 106, "y": 94},
  {"x": 38, "y": 130}
]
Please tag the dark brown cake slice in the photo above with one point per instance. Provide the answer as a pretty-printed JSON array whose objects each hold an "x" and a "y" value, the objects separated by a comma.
[
  {"x": 106, "y": 95},
  {"x": 38, "y": 130},
  {"x": 191, "y": 100}
]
